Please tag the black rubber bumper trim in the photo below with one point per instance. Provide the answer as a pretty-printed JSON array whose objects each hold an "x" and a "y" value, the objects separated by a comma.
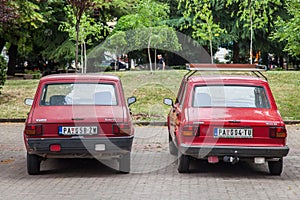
[
  {"x": 205, "y": 151},
  {"x": 79, "y": 145}
]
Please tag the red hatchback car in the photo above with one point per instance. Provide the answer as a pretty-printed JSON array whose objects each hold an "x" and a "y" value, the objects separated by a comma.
[
  {"x": 79, "y": 116},
  {"x": 225, "y": 117}
]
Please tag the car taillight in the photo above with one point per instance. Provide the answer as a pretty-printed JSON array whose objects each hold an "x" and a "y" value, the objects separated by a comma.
[
  {"x": 121, "y": 129},
  {"x": 33, "y": 129},
  {"x": 278, "y": 132},
  {"x": 55, "y": 147},
  {"x": 191, "y": 130}
]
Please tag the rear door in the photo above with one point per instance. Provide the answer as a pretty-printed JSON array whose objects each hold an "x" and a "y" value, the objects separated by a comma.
[{"x": 176, "y": 111}]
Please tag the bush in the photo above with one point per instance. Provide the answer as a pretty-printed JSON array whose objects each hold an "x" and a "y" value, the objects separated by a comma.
[
  {"x": 179, "y": 67},
  {"x": 32, "y": 74},
  {"x": 3, "y": 70}
]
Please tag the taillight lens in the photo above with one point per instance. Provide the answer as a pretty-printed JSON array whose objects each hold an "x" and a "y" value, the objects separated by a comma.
[
  {"x": 278, "y": 132},
  {"x": 36, "y": 129},
  {"x": 55, "y": 147},
  {"x": 191, "y": 130},
  {"x": 121, "y": 129}
]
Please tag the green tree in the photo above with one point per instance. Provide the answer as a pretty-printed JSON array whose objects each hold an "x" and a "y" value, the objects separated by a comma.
[
  {"x": 116, "y": 44},
  {"x": 80, "y": 7},
  {"x": 83, "y": 8},
  {"x": 7, "y": 14},
  {"x": 146, "y": 27},
  {"x": 3, "y": 68},
  {"x": 287, "y": 30},
  {"x": 16, "y": 33},
  {"x": 243, "y": 20},
  {"x": 204, "y": 26},
  {"x": 254, "y": 16},
  {"x": 90, "y": 28}
]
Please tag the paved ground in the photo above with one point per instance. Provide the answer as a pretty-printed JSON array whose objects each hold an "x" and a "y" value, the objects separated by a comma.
[{"x": 154, "y": 174}]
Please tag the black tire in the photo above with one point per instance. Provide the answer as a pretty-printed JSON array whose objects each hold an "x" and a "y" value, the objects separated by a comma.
[
  {"x": 124, "y": 163},
  {"x": 172, "y": 147},
  {"x": 183, "y": 163},
  {"x": 275, "y": 167},
  {"x": 33, "y": 164}
]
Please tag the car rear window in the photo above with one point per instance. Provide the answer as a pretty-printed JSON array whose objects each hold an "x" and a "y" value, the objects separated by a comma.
[
  {"x": 230, "y": 96},
  {"x": 79, "y": 94}
]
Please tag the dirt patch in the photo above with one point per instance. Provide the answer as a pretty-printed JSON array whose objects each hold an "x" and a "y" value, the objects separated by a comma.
[{"x": 7, "y": 161}]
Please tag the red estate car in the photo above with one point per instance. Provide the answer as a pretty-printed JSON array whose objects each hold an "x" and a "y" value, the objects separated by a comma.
[
  {"x": 225, "y": 117},
  {"x": 79, "y": 116}
]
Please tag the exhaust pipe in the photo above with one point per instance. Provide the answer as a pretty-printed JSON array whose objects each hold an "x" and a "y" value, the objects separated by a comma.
[{"x": 231, "y": 159}]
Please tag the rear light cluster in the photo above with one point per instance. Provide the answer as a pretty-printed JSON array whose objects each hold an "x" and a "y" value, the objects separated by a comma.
[
  {"x": 191, "y": 130},
  {"x": 55, "y": 147},
  {"x": 36, "y": 129},
  {"x": 278, "y": 132},
  {"x": 121, "y": 129}
]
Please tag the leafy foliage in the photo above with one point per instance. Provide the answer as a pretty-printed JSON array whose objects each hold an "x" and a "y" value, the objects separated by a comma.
[
  {"x": 66, "y": 51},
  {"x": 7, "y": 12},
  {"x": 287, "y": 30},
  {"x": 79, "y": 9},
  {"x": 146, "y": 28},
  {"x": 147, "y": 13},
  {"x": 116, "y": 43},
  {"x": 32, "y": 26},
  {"x": 3, "y": 69},
  {"x": 88, "y": 25},
  {"x": 204, "y": 26}
]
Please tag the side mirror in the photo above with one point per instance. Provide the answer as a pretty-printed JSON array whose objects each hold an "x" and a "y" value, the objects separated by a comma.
[
  {"x": 131, "y": 100},
  {"x": 168, "y": 102},
  {"x": 28, "y": 101}
]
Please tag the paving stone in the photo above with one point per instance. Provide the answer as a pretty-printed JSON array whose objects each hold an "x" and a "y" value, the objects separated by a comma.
[{"x": 154, "y": 173}]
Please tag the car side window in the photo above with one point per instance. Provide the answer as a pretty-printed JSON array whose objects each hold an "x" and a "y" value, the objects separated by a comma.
[
  {"x": 261, "y": 100},
  {"x": 181, "y": 93}
]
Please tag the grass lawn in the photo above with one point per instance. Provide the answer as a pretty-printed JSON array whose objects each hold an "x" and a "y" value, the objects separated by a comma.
[{"x": 150, "y": 89}]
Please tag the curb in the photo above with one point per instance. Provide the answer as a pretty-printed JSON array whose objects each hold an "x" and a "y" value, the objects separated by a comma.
[
  {"x": 138, "y": 123},
  {"x": 15, "y": 120},
  {"x": 155, "y": 123},
  {"x": 291, "y": 122}
]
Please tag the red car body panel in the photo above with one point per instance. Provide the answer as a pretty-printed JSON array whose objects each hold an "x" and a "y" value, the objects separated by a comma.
[
  {"x": 207, "y": 120},
  {"x": 89, "y": 124}
]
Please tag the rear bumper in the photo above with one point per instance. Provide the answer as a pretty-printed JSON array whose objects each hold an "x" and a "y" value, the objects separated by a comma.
[
  {"x": 236, "y": 151},
  {"x": 80, "y": 147}
]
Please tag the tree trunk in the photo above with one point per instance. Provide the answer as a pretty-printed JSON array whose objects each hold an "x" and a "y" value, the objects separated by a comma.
[
  {"x": 251, "y": 34},
  {"x": 85, "y": 61},
  {"x": 149, "y": 53},
  {"x": 211, "y": 52},
  {"x": 12, "y": 62},
  {"x": 2, "y": 44},
  {"x": 77, "y": 38},
  {"x": 236, "y": 53},
  {"x": 155, "y": 54},
  {"x": 281, "y": 62}
]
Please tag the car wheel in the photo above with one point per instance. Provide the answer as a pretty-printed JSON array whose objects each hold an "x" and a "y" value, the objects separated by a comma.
[
  {"x": 124, "y": 163},
  {"x": 275, "y": 167},
  {"x": 183, "y": 163},
  {"x": 172, "y": 148},
  {"x": 33, "y": 164}
]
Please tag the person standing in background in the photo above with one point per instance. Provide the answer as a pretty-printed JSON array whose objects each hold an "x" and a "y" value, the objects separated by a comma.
[{"x": 161, "y": 62}]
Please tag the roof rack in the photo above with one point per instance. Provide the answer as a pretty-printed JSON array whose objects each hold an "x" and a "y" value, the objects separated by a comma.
[{"x": 195, "y": 67}]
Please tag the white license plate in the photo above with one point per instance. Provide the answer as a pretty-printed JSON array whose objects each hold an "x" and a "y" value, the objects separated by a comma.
[
  {"x": 77, "y": 130},
  {"x": 233, "y": 132},
  {"x": 100, "y": 147}
]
